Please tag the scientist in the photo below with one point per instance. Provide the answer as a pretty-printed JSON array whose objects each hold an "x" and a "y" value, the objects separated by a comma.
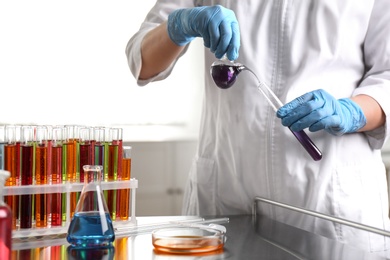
[{"x": 329, "y": 62}]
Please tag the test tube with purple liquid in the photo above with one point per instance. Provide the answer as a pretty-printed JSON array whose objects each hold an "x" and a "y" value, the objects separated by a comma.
[{"x": 224, "y": 74}]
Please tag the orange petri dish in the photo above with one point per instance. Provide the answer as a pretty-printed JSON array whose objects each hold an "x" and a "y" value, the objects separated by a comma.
[{"x": 188, "y": 240}]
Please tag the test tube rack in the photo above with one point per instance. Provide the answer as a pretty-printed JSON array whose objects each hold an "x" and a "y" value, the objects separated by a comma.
[{"x": 68, "y": 188}]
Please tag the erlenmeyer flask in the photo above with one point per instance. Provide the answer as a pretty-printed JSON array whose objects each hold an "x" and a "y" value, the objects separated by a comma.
[{"x": 91, "y": 225}]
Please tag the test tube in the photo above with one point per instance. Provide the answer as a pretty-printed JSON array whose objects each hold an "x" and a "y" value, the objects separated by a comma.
[
  {"x": 49, "y": 145},
  {"x": 301, "y": 136},
  {"x": 18, "y": 130},
  {"x": 93, "y": 142},
  {"x": 112, "y": 174},
  {"x": 70, "y": 150},
  {"x": 2, "y": 143},
  {"x": 85, "y": 154},
  {"x": 126, "y": 175},
  {"x": 26, "y": 172},
  {"x": 99, "y": 136},
  {"x": 49, "y": 142},
  {"x": 41, "y": 177},
  {"x": 107, "y": 142},
  {"x": 117, "y": 138},
  {"x": 56, "y": 175},
  {"x": 10, "y": 164}
]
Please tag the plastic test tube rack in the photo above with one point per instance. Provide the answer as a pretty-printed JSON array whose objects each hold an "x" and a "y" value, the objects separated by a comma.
[{"x": 67, "y": 188}]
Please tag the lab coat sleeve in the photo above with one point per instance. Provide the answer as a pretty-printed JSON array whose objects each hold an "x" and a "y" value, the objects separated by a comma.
[
  {"x": 157, "y": 15},
  {"x": 376, "y": 82}
]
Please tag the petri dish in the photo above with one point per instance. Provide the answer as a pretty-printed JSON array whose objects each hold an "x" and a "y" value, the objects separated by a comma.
[{"x": 188, "y": 240}]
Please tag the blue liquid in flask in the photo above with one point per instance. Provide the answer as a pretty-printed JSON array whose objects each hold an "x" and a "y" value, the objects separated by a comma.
[
  {"x": 91, "y": 225},
  {"x": 85, "y": 230}
]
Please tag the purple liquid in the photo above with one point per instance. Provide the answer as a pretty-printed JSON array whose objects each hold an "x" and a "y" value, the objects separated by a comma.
[
  {"x": 224, "y": 75},
  {"x": 308, "y": 144},
  {"x": 27, "y": 152}
]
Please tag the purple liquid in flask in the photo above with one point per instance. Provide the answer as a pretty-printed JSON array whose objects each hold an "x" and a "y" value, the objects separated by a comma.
[{"x": 224, "y": 74}]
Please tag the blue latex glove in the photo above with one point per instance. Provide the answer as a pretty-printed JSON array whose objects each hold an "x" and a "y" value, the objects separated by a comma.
[
  {"x": 217, "y": 26},
  {"x": 320, "y": 110}
]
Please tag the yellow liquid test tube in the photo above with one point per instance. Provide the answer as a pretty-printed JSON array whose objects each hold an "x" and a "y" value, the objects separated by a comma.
[
  {"x": 112, "y": 176},
  {"x": 117, "y": 139}
]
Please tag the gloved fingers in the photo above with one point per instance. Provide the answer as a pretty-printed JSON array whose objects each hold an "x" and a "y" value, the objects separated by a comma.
[
  {"x": 319, "y": 110},
  {"x": 303, "y": 122},
  {"x": 215, "y": 34},
  {"x": 234, "y": 45},
  {"x": 206, "y": 39},
  {"x": 331, "y": 124},
  {"x": 290, "y": 106},
  {"x": 220, "y": 47},
  {"x": 223, "y": 29},
  {"x": 325, "y": 123},
  {"x": 305, "y": 110}
]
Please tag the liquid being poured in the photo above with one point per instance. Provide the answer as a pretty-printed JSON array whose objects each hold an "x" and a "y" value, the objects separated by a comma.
[{"x": 224, "y": 74}]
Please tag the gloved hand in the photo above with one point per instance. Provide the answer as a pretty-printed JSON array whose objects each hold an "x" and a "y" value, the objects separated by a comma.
[
  {"x": 217, "y": 25},
  {"x": 320, "y": 110}
]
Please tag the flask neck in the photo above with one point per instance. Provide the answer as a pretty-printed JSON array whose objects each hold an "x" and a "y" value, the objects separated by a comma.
[
  {"x": 92, "y": 177},
  {"x": 92, "y": 174}
]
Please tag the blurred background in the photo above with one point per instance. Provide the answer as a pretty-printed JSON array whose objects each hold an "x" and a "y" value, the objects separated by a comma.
[{"x": 64, "y": 62}]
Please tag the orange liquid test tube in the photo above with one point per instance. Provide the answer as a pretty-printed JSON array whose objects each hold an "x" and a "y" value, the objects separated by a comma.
[
  {"x": 10, "y": 164},
  {"x": 126, "y": 175},
  {"x": 41, "y": 176}
]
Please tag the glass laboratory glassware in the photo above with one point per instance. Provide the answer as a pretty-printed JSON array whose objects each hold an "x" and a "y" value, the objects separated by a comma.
[
  {"x": 125, "y": 193},
  {"x": 85, "y": 150},
  {"x": 5, "y": 221},
  {"x": 70, "y": 150},
  {"x": 224, "y": 73},
  {"x": 27, "y": 155},
  {"x": 56, "y": 176},
  {"x": 117, "y": 139},
  {"x": 91, "y": 225},
  {"x": 98, "y": 133},
  {"x": 10, "y": 165},
  {"x": 113, "y": 154},
  {"x": 70, "y": 160},
  {"x": 2, "y": 143},
  {"x": 41, "y": 176}
]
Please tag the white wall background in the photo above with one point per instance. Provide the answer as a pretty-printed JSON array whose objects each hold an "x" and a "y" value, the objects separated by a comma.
[{"x": 63, "y": 62}]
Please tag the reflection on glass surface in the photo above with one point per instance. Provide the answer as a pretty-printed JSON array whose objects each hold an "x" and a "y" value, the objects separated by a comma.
[{"x": 106, "y": 253}]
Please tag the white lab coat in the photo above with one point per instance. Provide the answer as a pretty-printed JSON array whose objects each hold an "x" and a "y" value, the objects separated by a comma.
[{"x": 244, "y": 151}]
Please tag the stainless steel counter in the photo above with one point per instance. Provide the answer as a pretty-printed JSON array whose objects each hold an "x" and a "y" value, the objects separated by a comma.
[{"x": 247, "y": 238}]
